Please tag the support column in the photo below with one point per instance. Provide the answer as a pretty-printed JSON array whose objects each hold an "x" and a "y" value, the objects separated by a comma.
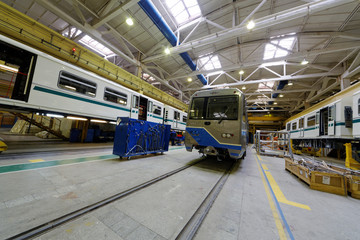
[{"x": 344, "y": 83}]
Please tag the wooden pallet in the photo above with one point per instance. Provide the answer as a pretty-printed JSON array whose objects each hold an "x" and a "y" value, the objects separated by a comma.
[{"x": 331, "y": 182}]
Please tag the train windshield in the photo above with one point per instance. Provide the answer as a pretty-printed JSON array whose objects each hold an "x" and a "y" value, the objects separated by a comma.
[{"x": 213, "y": 108}]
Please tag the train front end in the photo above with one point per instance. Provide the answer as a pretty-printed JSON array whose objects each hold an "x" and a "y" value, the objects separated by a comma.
[{"x": 217, "y": 123}]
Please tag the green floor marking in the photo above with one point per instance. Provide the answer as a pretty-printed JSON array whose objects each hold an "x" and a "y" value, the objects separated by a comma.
[{"x": 28, "y": 166}]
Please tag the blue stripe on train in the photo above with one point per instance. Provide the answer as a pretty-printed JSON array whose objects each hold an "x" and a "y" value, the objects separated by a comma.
[{"x": 204, "y": 138}]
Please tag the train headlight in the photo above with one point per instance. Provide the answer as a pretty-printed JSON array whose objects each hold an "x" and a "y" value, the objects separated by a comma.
[{"x": 227, "y": 135}]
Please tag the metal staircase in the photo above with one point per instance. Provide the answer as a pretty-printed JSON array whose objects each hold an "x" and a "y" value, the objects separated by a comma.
[{"x": 40, "y": 125}]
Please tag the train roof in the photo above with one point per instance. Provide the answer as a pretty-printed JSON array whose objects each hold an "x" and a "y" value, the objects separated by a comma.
[{"x": 214, "y": 92}]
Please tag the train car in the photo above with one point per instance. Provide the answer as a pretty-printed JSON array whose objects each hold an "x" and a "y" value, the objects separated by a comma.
[
  {"x": 217, "y": 123},
  {"x": 33, "y": 81},
  {"x": 175, "y": 118},
  {"x": 330, "y": 123}
]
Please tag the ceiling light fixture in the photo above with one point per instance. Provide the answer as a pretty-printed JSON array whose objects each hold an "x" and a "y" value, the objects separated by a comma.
[
  {"x": 54, "y": 115},
  {"x": 250, "y": 25},
  {"x": 275, "y": 103},
  {"x": 76, "y": 118},
  {"x": 290, "y": 83},
  {"x": 304, "y": 62},
  {"x": 167, "y": 50},
  {"x": 7, "y": 68},
  {"x": 241, "y": 72},
  {"x": 281, "y": 95},
  {"x": 189, "y": 79},
  {"x": 243, "y": 88},
  {"x": 98, "y": 121},
  {"x": 129, "y": 21}
]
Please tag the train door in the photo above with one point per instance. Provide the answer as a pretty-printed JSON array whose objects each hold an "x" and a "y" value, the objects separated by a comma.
[
  {"x": 134, "y": 111},
  {"x": 331, "y": 121},
  {"x": 324, "y": 121},
  {"x": 301, "y": 127},
  {"x": 176, "y": 119},
  {"x": 16, "y": 72},
  {"x": 143, "y": 106}
]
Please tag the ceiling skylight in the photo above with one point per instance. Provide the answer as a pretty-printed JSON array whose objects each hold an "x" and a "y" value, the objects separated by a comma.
[
  {"x": 266, "y": 86},
  {"x": 210, "y": 62},
  {"x": 184, "y": 10},
  {"x": 90, "y": 43},
  {"x": 277, "y": 47}
]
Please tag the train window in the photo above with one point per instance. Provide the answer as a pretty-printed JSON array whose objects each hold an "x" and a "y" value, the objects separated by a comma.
[
  {"x": 150, "y": 106},
  {"x": 176, "y": 115},
  {"x": 71, "y": 82},
  {"x": 184, "y": 118},
  {"x": 197, "y": 108},
  {"x": 317, "y": 118},
  {"x": 135, "y": 102},
  {"x": 288, "y": 127},
  {"x": 293, "y": 126},
  {"x": 301, "y": 123},
  {"x": 224, "y": 107},
  {"x": 157, "y": 110},
  {"x": 332, "y": 113},
  {"x": 115, "y": 96},
  {"x": 311, "y": 121},
  {"x": 348, "y": 116}
]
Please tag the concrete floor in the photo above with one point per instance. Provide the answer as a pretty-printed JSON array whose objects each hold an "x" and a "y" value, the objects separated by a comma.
[{"x": 245, "y": 208}]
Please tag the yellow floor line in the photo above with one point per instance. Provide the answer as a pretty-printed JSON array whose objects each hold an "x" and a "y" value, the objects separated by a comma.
[
  {"x": 36, "y": 160},
  {"x": 276, "y": 217},
  {"x": 264, "y": 167},
  {"x": 278, "y": 193}
]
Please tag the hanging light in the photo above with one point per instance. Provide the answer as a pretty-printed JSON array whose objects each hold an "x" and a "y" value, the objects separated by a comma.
[
  {"x": 281, "y": 95},
  {"x": 129, "y": 21},
  {"x": 290, "y": 83},
  {"x": 304, "y": 62},
  {"x": 189, "y": 79},
  {"x": 167, "y": 50},
  {"x": 241, "y": 72},
  {"x": 243, "y": 88},
  {"x": 250, "y": 25}
]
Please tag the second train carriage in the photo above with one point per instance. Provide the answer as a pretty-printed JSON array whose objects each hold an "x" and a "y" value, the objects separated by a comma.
[
  {"x": 31, "y": 81},
  {"x": 217, "y": 123},
  {"x": 330, "y": 123},
  {"x": 175, "y": 118}
]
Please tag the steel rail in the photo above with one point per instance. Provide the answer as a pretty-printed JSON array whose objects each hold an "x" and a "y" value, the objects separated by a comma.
[
  {"x": 38, "y": 230},
  {"x": 193, "y": 225}
]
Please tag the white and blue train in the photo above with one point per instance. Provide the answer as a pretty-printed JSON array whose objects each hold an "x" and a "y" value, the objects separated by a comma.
[
  {"x": 330, "y": 123},
  {"x": 217, "y": 123},
  {"x": 33, "y": 81}
]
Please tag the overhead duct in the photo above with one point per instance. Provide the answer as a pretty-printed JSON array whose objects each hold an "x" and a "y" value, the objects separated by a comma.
[{"x": 157, "y": 19}]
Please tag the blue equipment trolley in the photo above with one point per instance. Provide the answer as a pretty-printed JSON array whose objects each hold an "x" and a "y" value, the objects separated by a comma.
[{"x": 137, "y": 137}]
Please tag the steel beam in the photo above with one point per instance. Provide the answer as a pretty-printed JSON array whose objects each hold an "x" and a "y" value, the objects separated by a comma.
[{"x": 261, "y": 24}]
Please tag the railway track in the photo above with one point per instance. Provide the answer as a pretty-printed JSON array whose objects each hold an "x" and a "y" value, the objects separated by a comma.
[{"x": 188, "y": 232}]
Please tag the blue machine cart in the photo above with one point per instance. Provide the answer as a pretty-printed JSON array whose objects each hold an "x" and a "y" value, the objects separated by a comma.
[{"x": 137, "y": 137}]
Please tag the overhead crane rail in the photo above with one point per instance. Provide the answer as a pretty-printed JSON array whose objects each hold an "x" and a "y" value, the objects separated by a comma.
[{"x": 18, "y": 26}]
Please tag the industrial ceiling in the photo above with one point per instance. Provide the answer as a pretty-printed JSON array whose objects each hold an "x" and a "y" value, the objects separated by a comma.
[{"x": 296, "y": 54}]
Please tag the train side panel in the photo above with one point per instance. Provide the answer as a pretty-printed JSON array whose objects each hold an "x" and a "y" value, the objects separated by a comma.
[
  {"x": 45, "y": 87},
  {"x": 356, "y": 114}
]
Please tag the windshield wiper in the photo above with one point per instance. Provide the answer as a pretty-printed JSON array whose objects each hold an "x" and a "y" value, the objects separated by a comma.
[{"x": 222, "y": 117}]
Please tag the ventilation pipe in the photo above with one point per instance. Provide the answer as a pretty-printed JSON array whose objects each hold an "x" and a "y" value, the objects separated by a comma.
[{"x": 155, "y": 16}]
